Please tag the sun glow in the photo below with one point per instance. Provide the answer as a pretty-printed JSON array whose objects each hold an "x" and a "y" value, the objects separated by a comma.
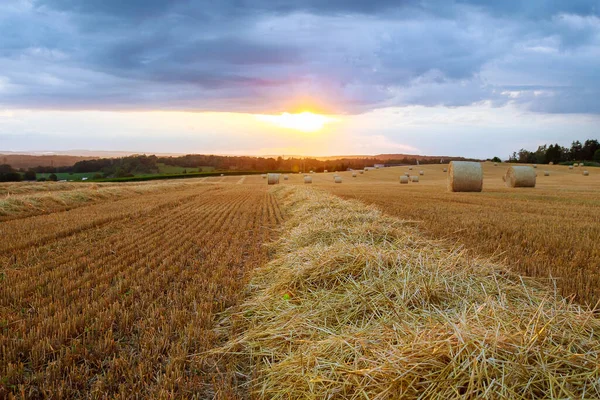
[{"x": 303, "y": 122}]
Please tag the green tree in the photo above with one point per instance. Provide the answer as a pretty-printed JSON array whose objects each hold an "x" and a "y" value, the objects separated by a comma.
[
  {"x": 597, "y": 155},
  {"x": 29, "y": 175},
  {"x": 53, "y": 177},
  {"x": 496, "y": 159}
]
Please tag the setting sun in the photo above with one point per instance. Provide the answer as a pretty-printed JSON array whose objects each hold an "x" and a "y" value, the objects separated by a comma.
[{"x": 304, "y": 121}]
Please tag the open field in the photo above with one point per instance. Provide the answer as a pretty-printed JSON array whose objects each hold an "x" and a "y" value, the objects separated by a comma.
[
  {"x": 120, "y": 293},
  {"x": 110, "y": 299},
  {"x": 550, "y": 230},
  {"x": 359, "y": 305}
]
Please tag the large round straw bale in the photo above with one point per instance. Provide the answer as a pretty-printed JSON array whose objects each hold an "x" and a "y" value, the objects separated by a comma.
[
  {"x": 404, "y": 179},
  {"x": 551, "y": 163},
  {"x": 354, "y": 175},
  {"x": 407, "y": 174},
  {"x": 272, "y": 179},
  {"x": 308, "y": 179},
  {"x": 285, "y": 177},
  {"x": 445, "y": 170},
  {"x": 361, "y": 172},
  {"x": 520, "y": 176},
  {"x": 570, "y": 167},
  {"x": 414, "y": 179},
  {"x": 338, "y": 179},
  {"x": 465, "y": 176},
  {"x": 585, "y": 173},
  {"x": 410, "y": 168},
  {"x": 222, "y": 174},
  {"x": 495, "y": 164},
  {"x": 546, "y": 173},
  {"x": 576, "y": 165},
  {"x": 535, "y": 165},
  {"x": 421, "y": 172}
]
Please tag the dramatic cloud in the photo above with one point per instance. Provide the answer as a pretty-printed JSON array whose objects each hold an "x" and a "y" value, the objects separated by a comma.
[{"x": 269, "y": 56}]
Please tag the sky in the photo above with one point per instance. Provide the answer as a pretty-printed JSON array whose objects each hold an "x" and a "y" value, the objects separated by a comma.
[{"x": 472, "y": 78}]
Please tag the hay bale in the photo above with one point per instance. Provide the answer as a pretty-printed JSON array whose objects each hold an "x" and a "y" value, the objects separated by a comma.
[
  {"x": 285, "y": 177},
  {"x": 520, "y": 176},
  {"x": 325, "y": 170},
  {"x": 445, "y": 170},
  {"x": 410, "y": 168},
  {"x": 361, "y": 172},
  {"x": 222, "y": 174},
  {"x": 465, "y": 176},
  {"x": 570, "y": 167},
  {"x": 585, "y": 173},
  {"x": 546, "y": 173},
  {"x": 338, "y": 179},
  {"x": 407, "y": 174},
  {"x": 414, "y": 179},
  {"x": 576, "y": 165},
  {"x": 354, "y": 175},
  {"x": 264, "y": 176},
  {"x": 534, "y": 165},
  {"x": 272, "y": 179},
  {"x": 403, "y": 179},
  {"x": 308, "y": 179},
  {"x": 551, "y": 163},
  {"x": 421, "y": 173},
  {"x": 495, "y": 164}
]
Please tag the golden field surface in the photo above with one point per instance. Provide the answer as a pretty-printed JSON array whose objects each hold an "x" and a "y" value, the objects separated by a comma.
[
  {"x": 552, "y": 230},
  {"x": 110, "y": 299},
  {"x": 116, "y": 290}
]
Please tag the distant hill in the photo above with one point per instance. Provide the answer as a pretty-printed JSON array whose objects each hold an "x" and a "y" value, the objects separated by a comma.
[{"x": 28, "y": 161}]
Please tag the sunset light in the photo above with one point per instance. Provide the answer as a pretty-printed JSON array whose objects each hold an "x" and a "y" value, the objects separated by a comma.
[{"x": 303, "y": 122}]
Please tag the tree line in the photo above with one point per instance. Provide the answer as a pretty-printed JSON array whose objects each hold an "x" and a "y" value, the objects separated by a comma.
[{"x": 588, "y": 151}]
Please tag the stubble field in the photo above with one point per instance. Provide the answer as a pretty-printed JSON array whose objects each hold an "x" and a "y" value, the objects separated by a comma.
[{"x": 118, "y": 290}]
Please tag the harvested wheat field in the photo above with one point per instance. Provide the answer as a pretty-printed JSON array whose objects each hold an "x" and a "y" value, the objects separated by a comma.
[
  {"x": 226, "y": 287},
  {"x": 110, "y": 299},
  {"x": 551, "y": 230},
  {"x": 358, "y": 305}
]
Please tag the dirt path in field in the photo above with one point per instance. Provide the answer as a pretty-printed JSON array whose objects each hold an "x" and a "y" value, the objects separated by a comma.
[{"x": 119, "y": 299}]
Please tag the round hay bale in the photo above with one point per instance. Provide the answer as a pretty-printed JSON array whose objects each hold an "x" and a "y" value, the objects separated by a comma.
[
  {"x": 421, "y": 173},
  {"x": 325, "y": 170},
  {"x": 546, "y": 173},
  {"x": 445, "y": 170},
  {"x": 354, "y": 175},
  {"x": 575, "y": 165},
  {"x": 495, "y": 164},
  {"x": 264, "y": 176},
  {"x": 338, "y": 179},
  {"x": 272, "y": 179},
  {"x": 361, "y": 172},
  {"x": 403, "y": 179},
  {"x": 585, "y": 173},
  {"x": 551, "y": 163},
  {"x": 570, "y": 167},
  {"x": 308, "y": 179},
  {"x": 520, "y": 176},
  {"x": 410, "y": 168},
  {"x": 285, "y": 177},
  {"x": 535, "y": 165},
  {"x": 407, "y": 174},
  {"x": 222, "y": 174},
  {"x": 465, "y": 176},
  {"x": 414, "y": 179}
]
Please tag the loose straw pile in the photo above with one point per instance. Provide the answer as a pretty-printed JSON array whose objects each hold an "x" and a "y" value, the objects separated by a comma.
[{"x": 358, "y": 305}]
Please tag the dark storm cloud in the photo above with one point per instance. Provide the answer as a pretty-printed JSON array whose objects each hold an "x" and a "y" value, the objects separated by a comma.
[{"x": 264, "y": 55}]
